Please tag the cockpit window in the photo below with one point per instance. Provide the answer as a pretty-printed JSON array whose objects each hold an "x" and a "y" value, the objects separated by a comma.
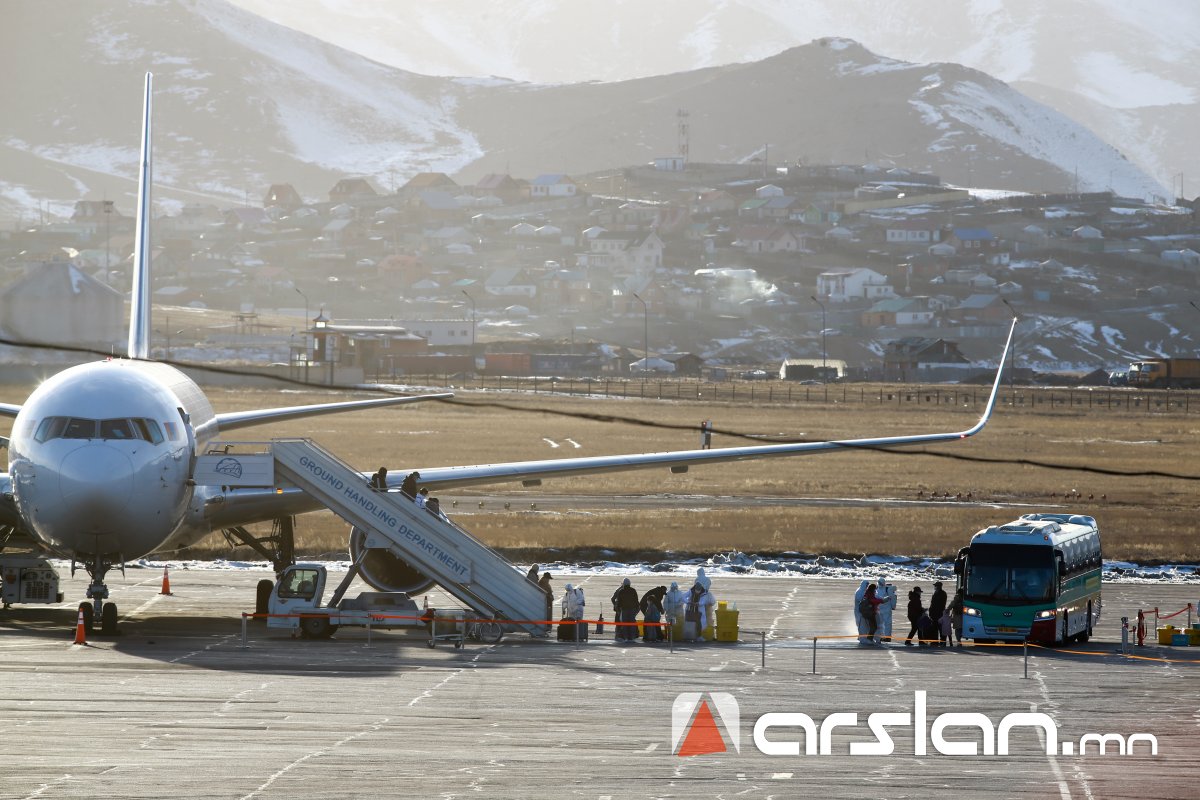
[
  {"x": 108, "y": 429},
  {"x": 116, "y": 429},
  {"x": 149, "y": 430},
  {"x": 79, "y": 428}
]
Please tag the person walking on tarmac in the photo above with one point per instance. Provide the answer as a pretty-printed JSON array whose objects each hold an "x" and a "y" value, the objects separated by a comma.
[
  {"x": 625, "y": 603},
  {"x": 860, "y": 622},
  {"x": 915, "y": 610},
  {"x": 867, "y": 606},
  {"x": 652, "y": 611},
  {"x": 883, "y": 612},
  {"x": 937, "y": 607}
]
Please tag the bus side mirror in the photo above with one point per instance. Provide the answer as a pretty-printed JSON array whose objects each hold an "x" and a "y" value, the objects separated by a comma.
[
  {"x": 958, "y": 566},
  {"x": 1062, "y": 568}
]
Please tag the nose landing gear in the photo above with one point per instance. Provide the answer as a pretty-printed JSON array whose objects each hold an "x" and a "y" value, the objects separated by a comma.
[{"x": 97, "y": 592}]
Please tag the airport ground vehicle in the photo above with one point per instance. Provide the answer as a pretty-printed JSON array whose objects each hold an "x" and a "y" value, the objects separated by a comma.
[
  {"x": 1166, "y": 373},
  {"x": 28, "y": 579},
  {"x": 1036, "y": 578},
  {"x": 296, "y": 605}
]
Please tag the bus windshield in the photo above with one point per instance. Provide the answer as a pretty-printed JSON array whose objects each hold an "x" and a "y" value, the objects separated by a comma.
[{"x": 1011, "y": 574}]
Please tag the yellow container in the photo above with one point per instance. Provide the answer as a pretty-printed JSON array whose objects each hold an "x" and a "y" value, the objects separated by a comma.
[
  {"x": 1165, "y": 633},
  {"x": 1193, "y": 635},
  {"x": 727, "y": 623}
]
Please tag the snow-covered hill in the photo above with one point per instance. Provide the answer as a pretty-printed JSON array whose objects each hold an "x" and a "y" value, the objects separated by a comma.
[
  {"x": 1138, "y": 61},
  {"x": 242, "y": 102}
]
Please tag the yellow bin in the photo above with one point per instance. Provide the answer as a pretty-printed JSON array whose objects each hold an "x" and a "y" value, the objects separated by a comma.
[
  {"x": 1193, "y": 635},
  {"x": 1165, "y": 633},
  {"x": 727, "y": 623}
]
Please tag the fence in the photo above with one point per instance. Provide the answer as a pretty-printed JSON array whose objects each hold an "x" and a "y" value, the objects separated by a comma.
[{"x": 1032, "y": 398}]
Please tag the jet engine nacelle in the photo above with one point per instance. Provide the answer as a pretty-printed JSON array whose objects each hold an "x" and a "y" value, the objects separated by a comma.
[{"x": 385, "y": 571}]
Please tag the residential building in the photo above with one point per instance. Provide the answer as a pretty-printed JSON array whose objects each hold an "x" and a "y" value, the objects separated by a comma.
[
  {"x": 552, "y": 185},
  {"x": 844, "y": 286}
]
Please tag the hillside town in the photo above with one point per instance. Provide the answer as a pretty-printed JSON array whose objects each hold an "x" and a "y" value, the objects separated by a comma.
[{"x": 750, "y": 270}]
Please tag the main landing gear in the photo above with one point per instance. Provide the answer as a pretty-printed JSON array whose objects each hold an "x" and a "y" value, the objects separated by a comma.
[
  {"x": 279, "y": 547},
  {"x": 95, "y": 607}
]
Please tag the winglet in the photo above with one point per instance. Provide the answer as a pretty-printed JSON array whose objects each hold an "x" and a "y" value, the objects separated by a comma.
[
  {"x": 139, "y": 307},
  {"x": 991, "y": 403}
]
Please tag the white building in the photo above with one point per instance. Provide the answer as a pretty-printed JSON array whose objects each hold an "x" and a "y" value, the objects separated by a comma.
[{"x": 844, "y": 286}]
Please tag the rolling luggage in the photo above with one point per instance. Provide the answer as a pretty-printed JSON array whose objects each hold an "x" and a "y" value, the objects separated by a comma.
[{"x": 569, "y": 629}]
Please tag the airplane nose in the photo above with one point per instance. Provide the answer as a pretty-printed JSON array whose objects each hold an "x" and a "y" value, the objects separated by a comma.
[{"x": 96, "y": 482}]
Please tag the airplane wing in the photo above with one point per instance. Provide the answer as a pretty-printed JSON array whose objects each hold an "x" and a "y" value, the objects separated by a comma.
[
  {"x": 242, "y": 506},
  {"x": 243, "y": 419},
  {"x": 680, "y": 460}
]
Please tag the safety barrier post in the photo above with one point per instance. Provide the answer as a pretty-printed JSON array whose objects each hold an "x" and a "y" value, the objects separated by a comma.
[
  {"x": 1026, "y": 648},
  {"x": 671, "y": 636},
  {"x": 369, "y": 618},
  {"x": 814, "y": 669},
  {"x": 578, "y": 639},
  {"x": 764, "y": 648},
  {"x": 244, "y": 630},
  {"x": 1156, "y": 623},
  {"x": 1124, "y": 635},
  {"x": 1189, "y": 615}
]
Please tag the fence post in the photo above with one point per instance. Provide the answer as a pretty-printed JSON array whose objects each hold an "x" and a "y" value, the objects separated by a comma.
[
  {"x": 1026, "y": 648},
  {"x": 814, "y": 669},
  {"x": 764, "y": 648},
  {"x": 243, "y": 630}
]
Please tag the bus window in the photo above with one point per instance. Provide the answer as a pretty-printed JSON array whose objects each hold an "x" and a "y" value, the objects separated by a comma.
[{"x": 1012, "y": 574}]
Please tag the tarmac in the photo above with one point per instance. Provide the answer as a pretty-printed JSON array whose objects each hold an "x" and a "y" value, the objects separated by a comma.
[{"x": 176, "y": 707}]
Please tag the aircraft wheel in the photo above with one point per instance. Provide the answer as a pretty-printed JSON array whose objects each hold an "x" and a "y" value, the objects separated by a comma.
[
  {"x": 88, "y": 615},
  {"x": 262, "y": 597},
  {"x": 108, "y": 619}
]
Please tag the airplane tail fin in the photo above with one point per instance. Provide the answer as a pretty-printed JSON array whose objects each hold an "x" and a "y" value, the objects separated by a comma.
[{"x": 139, "y": 307}]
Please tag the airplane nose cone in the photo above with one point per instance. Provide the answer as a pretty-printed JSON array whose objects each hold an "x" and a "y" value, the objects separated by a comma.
[{"x": 96, "y": 482}]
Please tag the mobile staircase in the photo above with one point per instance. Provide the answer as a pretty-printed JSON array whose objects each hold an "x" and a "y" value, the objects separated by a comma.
[{"x": 466, "y": 568}]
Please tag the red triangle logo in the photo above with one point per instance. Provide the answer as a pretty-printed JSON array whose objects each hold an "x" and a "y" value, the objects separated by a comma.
[{"x": 702, "y": 737}]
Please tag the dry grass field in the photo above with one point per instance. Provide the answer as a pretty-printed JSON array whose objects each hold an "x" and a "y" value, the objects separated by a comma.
[{"x": 1146, "y": 519}]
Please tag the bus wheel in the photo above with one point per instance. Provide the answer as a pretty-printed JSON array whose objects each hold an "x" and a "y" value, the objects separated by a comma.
[{"x": 1087, "y": 633}]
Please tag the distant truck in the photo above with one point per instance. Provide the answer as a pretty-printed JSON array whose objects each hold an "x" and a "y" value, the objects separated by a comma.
[{"x": 1164, "y": 373}]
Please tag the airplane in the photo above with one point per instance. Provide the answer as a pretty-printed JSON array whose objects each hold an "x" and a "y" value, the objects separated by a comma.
[{"x": 101, "y": 454}]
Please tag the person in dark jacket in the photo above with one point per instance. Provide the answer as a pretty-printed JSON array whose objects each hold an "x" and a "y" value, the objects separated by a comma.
[
  {"x": 379, "y": 479},
  {"x": 408, "y": 487},
  {"x": 956, "y": 615},
  {"x": 652, "y": 611},
  {"x": 867, "y": 607},
  {"x": 915, "y": 610},
  {"x": 937, "y": 607},
  {"x": 625, "y": 603}
]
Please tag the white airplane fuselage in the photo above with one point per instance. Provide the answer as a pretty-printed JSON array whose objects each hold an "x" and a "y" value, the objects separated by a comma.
[{"x": 101, "y": 455}]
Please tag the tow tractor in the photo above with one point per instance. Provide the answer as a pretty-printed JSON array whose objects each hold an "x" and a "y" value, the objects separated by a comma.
[{"x": 296, "y": 606}]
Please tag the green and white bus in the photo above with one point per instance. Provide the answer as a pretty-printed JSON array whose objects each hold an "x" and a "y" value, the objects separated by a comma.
[{"x": 1036, "y": 578}]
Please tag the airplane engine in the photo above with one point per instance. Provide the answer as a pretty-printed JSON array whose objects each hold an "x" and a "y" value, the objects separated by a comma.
[{"x": 387, "y": 572}]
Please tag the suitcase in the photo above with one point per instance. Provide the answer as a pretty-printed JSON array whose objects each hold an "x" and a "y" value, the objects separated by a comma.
[{"x": 568, "y": 630}]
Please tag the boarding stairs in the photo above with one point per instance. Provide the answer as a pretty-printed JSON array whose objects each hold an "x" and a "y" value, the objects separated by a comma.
[{"x": 470, "y": 571}]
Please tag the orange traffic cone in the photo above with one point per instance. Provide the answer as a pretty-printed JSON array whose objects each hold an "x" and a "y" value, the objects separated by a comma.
[
  {"x": 80, "y": 630},
  {"x": 166, "y": 587}
]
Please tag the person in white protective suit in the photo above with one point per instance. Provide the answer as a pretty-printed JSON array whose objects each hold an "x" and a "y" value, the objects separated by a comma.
[
  {"x": 860, "y": 622},
  {"x": 572, "y": 602},
  {"x": 703, "y": 579},
  {"x": 883, "y": 613},
  {"x": 674, "y": 601}
]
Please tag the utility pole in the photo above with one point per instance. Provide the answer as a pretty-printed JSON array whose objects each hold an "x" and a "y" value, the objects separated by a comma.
[
  {"x": 307, "y": 358},
  {"x": 472, "y": 299},
  {"x": 645, "y": 332},
  {"x": 824, "y": 360}
]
